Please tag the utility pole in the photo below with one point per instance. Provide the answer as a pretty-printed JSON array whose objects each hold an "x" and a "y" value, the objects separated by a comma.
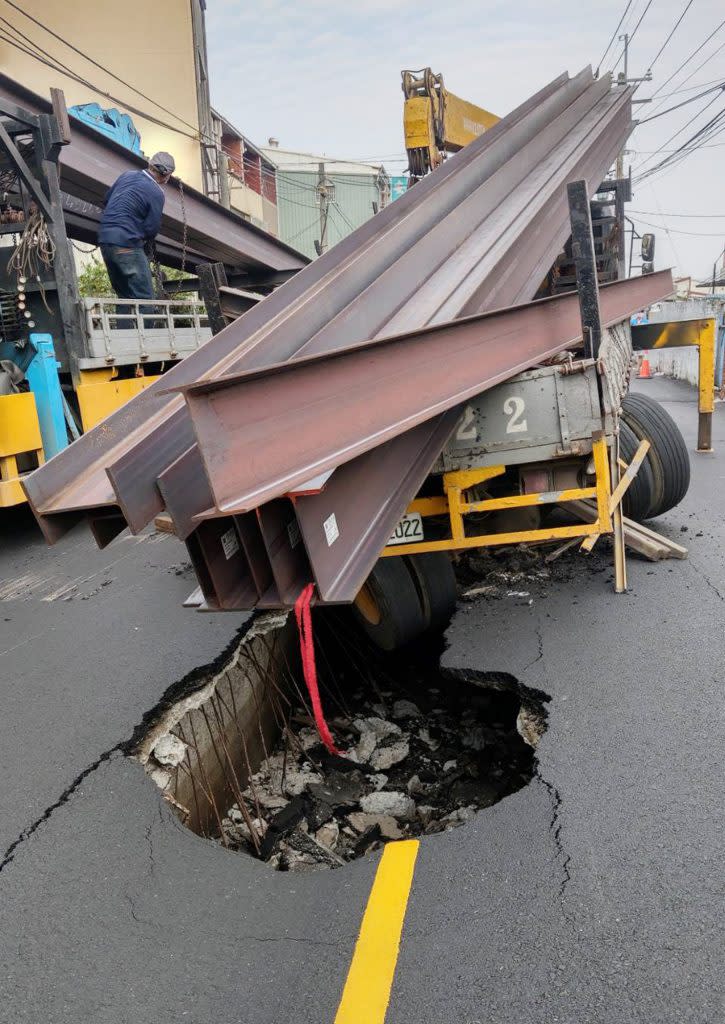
[
  {"x": 620, "y": 158},
  {"x": 625, "y": 37},
  {"x": 325, "y": 196},
  {"x": 714, "y": 270}
]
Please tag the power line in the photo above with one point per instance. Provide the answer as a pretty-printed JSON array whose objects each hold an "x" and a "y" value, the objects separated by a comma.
[
  {"x": 713, "y": 128},
  {"x": 686, "y": 61},
  {"x": 614, "y": 36},
  {"x": 633, "y": 33},
  {"x": 655, "y": 152},
  {"x": 58, "y": 67},
  {"x": 676, "y": 231},
  {"x": 707, "y": 131},
  {"x": 692, "y": 99},
  {"x": 676, "y": 25},
  {"x": 658, "y": 106},
  {"x": 95, "y": 63},
  {"x": 680, "y": 130},
  {"x": 308, "y": 227},
  {"x": 670, "y": 239},
  {"x": 690, "y": 88},
  {"x": 56, "y": 64},
  {"x": 649, "y": 213},
  {"x": 344, "y": 217}
]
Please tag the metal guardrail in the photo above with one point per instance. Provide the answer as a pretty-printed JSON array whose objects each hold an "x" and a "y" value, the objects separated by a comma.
[{"x": 122, "y": 331}]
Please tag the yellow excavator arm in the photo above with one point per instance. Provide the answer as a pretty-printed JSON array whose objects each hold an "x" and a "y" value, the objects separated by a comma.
[{"x": 437, "y": 122}]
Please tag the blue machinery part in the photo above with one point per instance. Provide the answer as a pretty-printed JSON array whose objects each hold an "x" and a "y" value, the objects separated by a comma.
[
  {"x": 42, "y": 376},
  {"x": 112, "y": 123}
]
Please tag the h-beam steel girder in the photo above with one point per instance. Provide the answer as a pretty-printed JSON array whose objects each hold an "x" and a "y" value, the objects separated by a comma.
[
  {"x": 90, "y": 164},
  {"x": 370, "y": 282},
  {"x": 265, "y": 432}
]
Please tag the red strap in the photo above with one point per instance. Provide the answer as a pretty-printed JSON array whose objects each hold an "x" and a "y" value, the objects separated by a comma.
[{"x": 307, "y": 650}]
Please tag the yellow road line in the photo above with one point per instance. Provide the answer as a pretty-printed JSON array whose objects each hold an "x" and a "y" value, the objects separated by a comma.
[{"x": 370, "y": 978}]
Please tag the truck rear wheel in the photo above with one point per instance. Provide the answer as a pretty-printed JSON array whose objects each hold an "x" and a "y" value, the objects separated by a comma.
[
  {"x": 388, "y": 607},
  {"x": 668, "y": 457},
  {"x": 436, "y": 585},
  {"x": 639, "y": 495}
]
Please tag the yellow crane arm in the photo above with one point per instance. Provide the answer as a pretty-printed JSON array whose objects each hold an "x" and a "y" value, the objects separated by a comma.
[{"x": 436, "y": 122}]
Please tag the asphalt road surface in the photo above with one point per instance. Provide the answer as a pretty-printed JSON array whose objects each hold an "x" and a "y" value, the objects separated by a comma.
[{"x": 592, "y": 895}]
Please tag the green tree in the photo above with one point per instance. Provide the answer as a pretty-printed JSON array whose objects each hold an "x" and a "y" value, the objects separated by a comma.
[{"x": 93, "y": 280}]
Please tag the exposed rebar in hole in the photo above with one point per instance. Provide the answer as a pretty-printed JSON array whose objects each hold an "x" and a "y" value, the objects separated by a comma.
[{"x": 425, "y": 748}]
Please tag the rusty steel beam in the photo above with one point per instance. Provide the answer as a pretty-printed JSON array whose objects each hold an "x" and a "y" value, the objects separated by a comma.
[
  {"x": 284, "y": 321},
  {"x": 356, "y": 291},
  {"x": 264, "y": 432},
  {"x": 183, "y": 486},
  {"x": 346, "y": 525},
  {"x": 588, "y": 130},
  {"x": 90, "y": 164},
  {"x": 221, "y": 566},
  {"x": 343, "y": 528}
]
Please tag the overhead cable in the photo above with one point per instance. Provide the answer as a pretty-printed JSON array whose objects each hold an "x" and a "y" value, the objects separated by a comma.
[
  {"x": 57, "y": 66},
  {"x": 95, "y": 63},
  {"x": 677, "y": 231},
  {"x": 649, "y": 213},
  {"x": 674, "y": 29},
  {"x": 633, "y": 33},
  {"x": 698, "y": 49},
  {"x": 707, "y": 131},
  {"x": 681, "y": 130},
  {"x": 717, "y": 88},
  {"x": 614, "y": 36}
]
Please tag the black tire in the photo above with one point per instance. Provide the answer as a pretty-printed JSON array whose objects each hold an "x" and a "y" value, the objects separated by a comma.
[
  {"x": 436, "y": 585},
  {"x": 639, "y": 495},
  {"x": 668, "y": 455},
  {"x": 388, "y": 607}
]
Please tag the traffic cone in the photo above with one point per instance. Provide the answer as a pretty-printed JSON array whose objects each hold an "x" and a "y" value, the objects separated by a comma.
[{"x": 644, "y": 368}]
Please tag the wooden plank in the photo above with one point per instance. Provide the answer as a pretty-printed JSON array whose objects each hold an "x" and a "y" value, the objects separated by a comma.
[
  {"x": 639, "y": 538},
  {"x": 164, "y": 523}
]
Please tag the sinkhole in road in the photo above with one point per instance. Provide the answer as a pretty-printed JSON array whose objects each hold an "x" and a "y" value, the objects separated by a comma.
[{"x": 424, "y": 748}]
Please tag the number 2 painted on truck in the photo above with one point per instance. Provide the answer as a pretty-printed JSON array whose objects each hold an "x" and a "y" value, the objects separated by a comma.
[{"x": 514, "y": 408}]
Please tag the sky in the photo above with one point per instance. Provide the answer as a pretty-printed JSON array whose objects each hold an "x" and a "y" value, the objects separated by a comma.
[{"x": 325, "y": 78}]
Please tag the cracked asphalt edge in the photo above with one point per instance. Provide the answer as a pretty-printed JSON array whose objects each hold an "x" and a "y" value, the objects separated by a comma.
[{"x": 193, "y": 680}]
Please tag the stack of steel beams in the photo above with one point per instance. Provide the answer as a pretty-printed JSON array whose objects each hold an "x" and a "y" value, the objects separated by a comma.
[{"x": 278, "y": 475}]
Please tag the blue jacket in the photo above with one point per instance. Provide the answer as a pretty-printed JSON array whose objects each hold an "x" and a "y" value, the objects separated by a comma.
[{"x": 133, "y": 209}]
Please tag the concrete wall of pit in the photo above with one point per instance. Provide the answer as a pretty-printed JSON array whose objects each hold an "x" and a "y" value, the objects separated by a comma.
[{"x": 203, "y": 748}]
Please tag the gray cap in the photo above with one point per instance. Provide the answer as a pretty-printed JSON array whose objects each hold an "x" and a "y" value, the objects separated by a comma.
[{"x": 163, "y": 163}]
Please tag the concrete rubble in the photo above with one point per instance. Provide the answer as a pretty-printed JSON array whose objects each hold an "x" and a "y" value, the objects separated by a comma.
[{"x": 409, "y": 768}]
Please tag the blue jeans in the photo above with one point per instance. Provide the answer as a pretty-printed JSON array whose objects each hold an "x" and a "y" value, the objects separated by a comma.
[{"x": 130, "y": 275}]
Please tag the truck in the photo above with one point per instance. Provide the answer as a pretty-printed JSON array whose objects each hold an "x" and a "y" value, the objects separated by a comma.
[
  {"x": 563, "y": 433},
  {"x": 548, "y": 439},
  {"x": 68, "y": 361}
]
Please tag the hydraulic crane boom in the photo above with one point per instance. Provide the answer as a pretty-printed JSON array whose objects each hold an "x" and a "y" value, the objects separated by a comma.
[{"x": 436, "y": 121}]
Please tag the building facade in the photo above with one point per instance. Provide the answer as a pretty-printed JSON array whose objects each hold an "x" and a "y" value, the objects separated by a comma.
[
  {"x": 148, "y": 61},
  {"x": 247, "y": 178},
  {"x": 320, "y": 199}
]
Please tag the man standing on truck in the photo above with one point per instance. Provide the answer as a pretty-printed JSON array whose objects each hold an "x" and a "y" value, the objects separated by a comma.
[{"x": 131, "y": 219}]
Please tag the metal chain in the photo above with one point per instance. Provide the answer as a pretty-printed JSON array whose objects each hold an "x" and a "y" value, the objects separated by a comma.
[
  {"x": 156, "y": 266},
  {"x": 156, "y": 269},
  {"x": 185, "y": 235}
]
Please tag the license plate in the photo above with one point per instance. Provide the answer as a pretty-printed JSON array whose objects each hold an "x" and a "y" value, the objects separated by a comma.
[{"x": 409, "y": 529}]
